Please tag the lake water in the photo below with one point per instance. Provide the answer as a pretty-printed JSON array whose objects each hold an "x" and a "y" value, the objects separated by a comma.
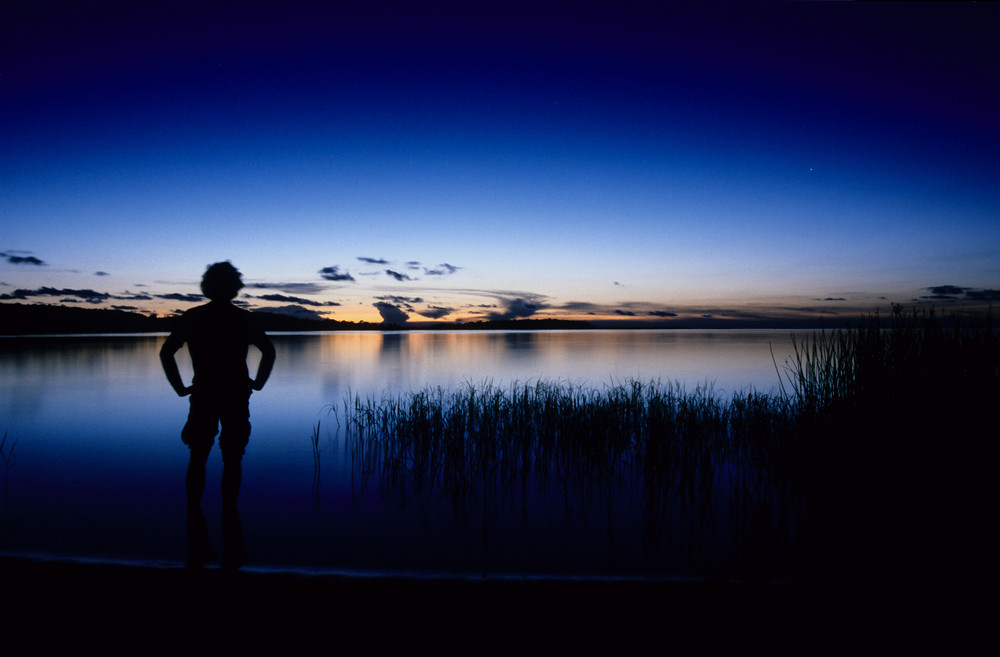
[{"x": 97, "y": 470}]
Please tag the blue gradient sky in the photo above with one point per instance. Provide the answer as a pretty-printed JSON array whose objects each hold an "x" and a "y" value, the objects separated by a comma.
[{"x": 738, "y": 161}]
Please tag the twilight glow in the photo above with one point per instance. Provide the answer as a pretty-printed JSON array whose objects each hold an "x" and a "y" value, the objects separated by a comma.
[{"x": 767, "y": 161}]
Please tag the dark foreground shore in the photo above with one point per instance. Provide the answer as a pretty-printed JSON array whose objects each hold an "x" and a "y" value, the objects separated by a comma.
[
  {"x": 79, "y": 603},
  {"x": 385, "y": 610}
]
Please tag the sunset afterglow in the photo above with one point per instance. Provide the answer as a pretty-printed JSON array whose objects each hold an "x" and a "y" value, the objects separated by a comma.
[{"x": 754, "y": 161}]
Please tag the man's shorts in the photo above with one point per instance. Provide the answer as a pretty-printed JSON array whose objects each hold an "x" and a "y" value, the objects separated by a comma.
[{"x": 208, "y": 411}]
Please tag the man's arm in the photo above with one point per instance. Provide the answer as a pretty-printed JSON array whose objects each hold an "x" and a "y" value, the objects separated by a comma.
[
  {"x": 263, "y": 343},
  {"x": 167, "y": 352}
]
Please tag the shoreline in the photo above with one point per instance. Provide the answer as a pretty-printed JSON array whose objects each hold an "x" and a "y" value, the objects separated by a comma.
[
  {"x": 115, "y": 603},
  {"x": 68, "y": 588}
]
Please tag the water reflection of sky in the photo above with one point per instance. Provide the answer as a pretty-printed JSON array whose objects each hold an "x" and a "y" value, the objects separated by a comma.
[{"x": 100, "y": 464}]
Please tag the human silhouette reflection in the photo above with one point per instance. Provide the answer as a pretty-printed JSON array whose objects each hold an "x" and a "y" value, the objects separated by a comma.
[{"x": 218, "y": 335}]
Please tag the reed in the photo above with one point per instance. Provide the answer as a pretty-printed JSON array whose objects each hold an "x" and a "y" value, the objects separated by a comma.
[
  {"x": 849, "y": 397},
  {"x": 314, "y": 440},
  {"x": 9, "y": 459}
]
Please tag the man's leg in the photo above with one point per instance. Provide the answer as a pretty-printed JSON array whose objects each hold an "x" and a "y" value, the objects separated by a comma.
[
  {"x": 195, "y": 480},
  {"x": 233, "y": 440},
  {"x": 234, "y": 552},
  {"x": 199, "y": 549},
  {"x": 198, "y": 435},
  {"x": 232, "y": 476}
]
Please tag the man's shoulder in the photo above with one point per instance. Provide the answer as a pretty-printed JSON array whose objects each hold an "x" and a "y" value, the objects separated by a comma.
[
  {"x": 196, "y": 311},
  {"x": 241, "y": 316},
  {"x": 219, "y": 315}
]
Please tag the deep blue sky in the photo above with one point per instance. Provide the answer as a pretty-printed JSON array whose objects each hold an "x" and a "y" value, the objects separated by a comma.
[{"x": 581, "y": 160}]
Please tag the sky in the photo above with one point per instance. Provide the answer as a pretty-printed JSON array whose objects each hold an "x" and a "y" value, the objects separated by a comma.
[{"x": 458, "y": 162}]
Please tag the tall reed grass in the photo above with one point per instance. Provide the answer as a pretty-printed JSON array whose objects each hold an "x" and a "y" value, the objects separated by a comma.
[
  {"x": 690, "y": 456},
  {"x": 9, "y": 459}
]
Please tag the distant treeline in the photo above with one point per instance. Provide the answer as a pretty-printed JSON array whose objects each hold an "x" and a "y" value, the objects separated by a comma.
[{"x": 37, "y": 319}]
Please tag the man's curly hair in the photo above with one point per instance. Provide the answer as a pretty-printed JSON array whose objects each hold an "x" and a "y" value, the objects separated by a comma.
[{"x": 221, "y": 282}]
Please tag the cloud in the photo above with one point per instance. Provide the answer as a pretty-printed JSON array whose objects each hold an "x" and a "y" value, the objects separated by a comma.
[
  {"x": 444, "y": 269},
  {"x": 405, "y": 302},
  {"x": 373, "y": 261},
  {"x": 517, "y": 308},
  {"x": 292, "y": 311},
  {"x": 175, "y": 296},
  {"x": 333, "y": 274},
  {"x": 295, "y": 300},
  {"x": 944, "y": 292},
  {"x": 25, "y": 260},
  {"x": 955, "y": 293},
  {"x": 398, "y": 276},
  {"x": 390, "y": 313},
  {"x": 90, "y": 296},
  {"x": 581, "y": 306},
  {"x": 947, "y": 289},
  {"x": 15, "y": 259},
  {"x": 983, "y": 295},
  {"x": 633, "y": 309},
  {"x": 412, "y": 264},
  {"x": 435, "y": 312},
  {"x": 290, "y": 288},
  {"x": 101, "y": 273},
  {"x": 128, "y": 296}
]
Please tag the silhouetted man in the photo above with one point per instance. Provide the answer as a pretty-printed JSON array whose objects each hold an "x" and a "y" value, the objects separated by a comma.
[{"x": 218, "y": 335}]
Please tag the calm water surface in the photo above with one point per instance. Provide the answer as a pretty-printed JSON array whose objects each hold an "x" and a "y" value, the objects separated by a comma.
[{"x": 98, "y": 465}]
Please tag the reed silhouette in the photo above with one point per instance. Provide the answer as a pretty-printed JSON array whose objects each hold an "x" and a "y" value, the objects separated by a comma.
[
  {"x": 698, "y": 466},
  {"x": 218, "y": 336},
  {"x": 860, "y": 469}
]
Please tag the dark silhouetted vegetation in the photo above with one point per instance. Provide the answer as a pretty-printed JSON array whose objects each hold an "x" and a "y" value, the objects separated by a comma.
[{"x": 856, "y": 469}]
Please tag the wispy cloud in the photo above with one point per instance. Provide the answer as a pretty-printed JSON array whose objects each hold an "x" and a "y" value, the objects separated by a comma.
[
  {"x": 398, "y": 276},
  {"x": 373, "y": 261},
  {"x": 956, "y": 293},
  {"x": 14, "y": 258},
  {"x": 444, "y": 269},
  {"x": 176, "y": 296},
  {"x": 290, "y": 288},
  {"x": 983, "y": 295},
  {"x": 284, "y": 298},
  {"x": 128, "y": 296},
  {"x": 101, "y": 273},
  {"x": 406, "y": 303},
  {"x": 90, "y": 296},
  {"x": 333, "y": 273}
]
